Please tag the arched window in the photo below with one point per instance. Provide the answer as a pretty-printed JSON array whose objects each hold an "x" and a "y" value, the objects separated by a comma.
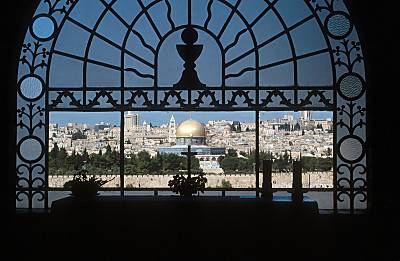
[{"x": 236, "y": 55}]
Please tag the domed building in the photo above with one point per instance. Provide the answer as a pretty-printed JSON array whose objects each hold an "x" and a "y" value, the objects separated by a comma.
[{"x": 192, "y": 132}]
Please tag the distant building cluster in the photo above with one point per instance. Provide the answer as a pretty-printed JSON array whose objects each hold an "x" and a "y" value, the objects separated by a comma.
[
  {"x": 193, "y": 133},
  {"x": 304, "y": 136}
]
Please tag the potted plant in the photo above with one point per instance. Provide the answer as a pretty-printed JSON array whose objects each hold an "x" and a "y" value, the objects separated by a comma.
[
  {"x": 187, "y": 186},
  {"x": 83, "y": 186}
]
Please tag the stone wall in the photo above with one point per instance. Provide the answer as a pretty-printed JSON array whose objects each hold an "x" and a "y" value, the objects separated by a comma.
[{"x": 279, "y": 180}]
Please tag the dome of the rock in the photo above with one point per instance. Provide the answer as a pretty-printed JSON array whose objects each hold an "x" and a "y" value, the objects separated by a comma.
[{"x": 190, "y": 129}]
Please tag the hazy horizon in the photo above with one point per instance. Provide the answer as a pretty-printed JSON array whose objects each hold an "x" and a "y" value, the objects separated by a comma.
[{"x": 159, "y": 118}]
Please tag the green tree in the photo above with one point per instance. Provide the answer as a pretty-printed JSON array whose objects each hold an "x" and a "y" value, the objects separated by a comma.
[
  {"x": 96, "y": 160},
  {"x": 239, "y": 128},
  {"x": 324, "y": 164},
  {"x": 195, "y": 165},
  {"x": 232, "y": 153},
  {"x": 108, "y": 150},
  {"x": 225, "y": 184},
  {"x": 78, "y": 135},
  {"x": 244, "y": 165},
  {"x": 70, "y": 161},
  {"x": 131, "y": 164},
  {"x": 283, "y": 162},
  {"x": 85, "y": 156},
  {"x": 172, "y": 162},
  {"x": 155, "y": 165},
  {"x": 54, "y": 152},
  {"x": 143, "y": 160},
  {"x": 62, "y": 155},
  {"x": 115, "y": 156},
  {"x": 60, "y": 160},
  {"x": 309, "y": 163},
  {"x": 229, "y": 164}
]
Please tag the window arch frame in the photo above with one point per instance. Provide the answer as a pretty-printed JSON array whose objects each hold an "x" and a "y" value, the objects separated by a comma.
[{"x": 354, "y": 106}]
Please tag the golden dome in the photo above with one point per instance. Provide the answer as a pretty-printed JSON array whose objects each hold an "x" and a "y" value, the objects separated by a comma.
[{"x": 190, "y": 128}]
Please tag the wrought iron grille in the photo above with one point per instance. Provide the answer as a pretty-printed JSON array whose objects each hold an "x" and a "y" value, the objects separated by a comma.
[{"x": 53, "y": 76}]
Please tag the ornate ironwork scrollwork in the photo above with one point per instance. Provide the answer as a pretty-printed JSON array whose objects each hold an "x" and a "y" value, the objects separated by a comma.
[
  {"x": 35, "y": 53},
  {"x": 316, "y": 93},
  {"x": 350, "y": 101},
  {"x": 137, "y": 94},
  {"x": 240, "y": 93},
  {"x": 32, "y": 106},
  {"x": 102, "y": 94},
  {"x": 276, "y": 93},
  {"x": 30, "y": 151},
  {"x": 64, "y": 94},
  {"x": 172, "y": 93},
  {"x": 57, "y": 7},
  {"x": 206, "y": 93}
]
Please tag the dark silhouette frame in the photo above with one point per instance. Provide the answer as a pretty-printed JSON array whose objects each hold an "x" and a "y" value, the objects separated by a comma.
[{"x": 350, "y": 172}]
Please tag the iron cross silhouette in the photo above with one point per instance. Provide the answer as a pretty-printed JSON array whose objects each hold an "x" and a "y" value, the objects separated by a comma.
[{"x": 189, "y": 154}]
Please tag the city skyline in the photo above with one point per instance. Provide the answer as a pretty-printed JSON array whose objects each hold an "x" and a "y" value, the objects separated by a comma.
[{"x": 159, "y": 118}]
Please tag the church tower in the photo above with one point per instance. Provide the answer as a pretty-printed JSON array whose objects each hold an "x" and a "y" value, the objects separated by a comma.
[
  {"x": 131, "y": 120},
  {"x": 305, "y": 115},
  {"x": 172, "y": 130}
]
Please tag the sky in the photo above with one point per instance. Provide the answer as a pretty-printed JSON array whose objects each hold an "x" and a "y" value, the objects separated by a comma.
[
  {"x": 71, "y": 73},
  {"x": 308, "y": 37}
]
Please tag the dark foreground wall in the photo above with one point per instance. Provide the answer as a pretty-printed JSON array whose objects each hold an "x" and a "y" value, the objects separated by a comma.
[{"x": 184, "y": 229}]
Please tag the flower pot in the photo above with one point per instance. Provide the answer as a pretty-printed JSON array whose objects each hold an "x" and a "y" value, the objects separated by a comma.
[{"x": 84, "y": 190}]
